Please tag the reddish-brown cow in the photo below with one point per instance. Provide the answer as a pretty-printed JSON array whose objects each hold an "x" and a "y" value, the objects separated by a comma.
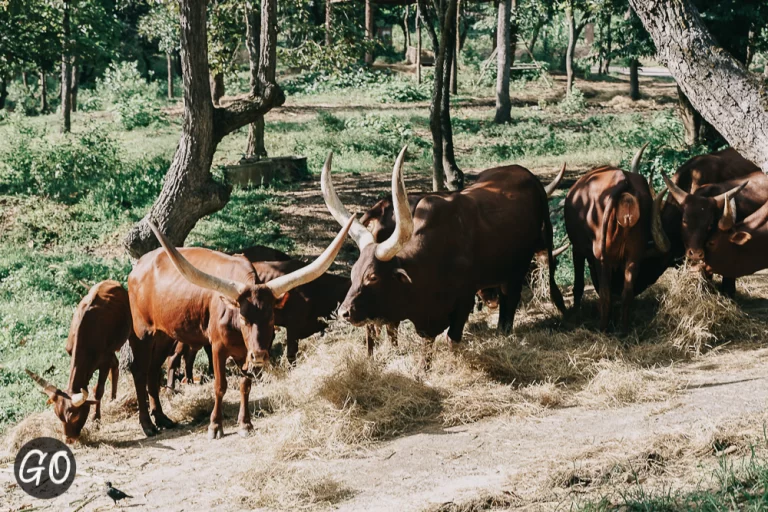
[
  {"x": 430, "y": 268},
  {"x": 712, "y": 168},
  {"x": 100, "y": 326},
  {"x": 610, "y": 219},
  {"x": 201, "y": 297}
]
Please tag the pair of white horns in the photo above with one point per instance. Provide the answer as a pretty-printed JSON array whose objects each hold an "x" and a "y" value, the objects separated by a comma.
[{"x": 77, "y": 399}]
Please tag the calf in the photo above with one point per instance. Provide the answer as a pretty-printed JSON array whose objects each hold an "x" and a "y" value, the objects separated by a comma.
[
  {"x": 100, "y": 326},
  {"x": 610, "y": 219}
]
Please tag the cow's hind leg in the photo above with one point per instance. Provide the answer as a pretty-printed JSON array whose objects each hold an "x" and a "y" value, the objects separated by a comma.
[
  {"x": 189, "y": 365},
  {"x": 509, "y": 299},
  {"x": 628, "y": 294},
  {"x": 578, "y": 278},
  {"x": 160, "y": 348},
  {"x": 605, "y": 295},
  {"x": 142, "y": 354},
  {"x": 114, "y": 375},
  {"x": 173, "y": 363},
  {"x": 98, "y": 391}
]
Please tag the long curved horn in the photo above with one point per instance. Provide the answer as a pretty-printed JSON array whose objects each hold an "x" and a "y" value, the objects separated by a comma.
[
  {"x": 284, "y": 284},
  {"x": 635, "y": 167},
  {"x": 657, "y": 229},
  {"x": 555, "y": 182},
  {"x": 676, "y": 192},
  {"x": 79, "y": 399},
  {"x": 389, "y": 248},
  {"x": 728, "y": 219},
  {"x": 358, "y": 232},
  {"x": 226, "y": 287},
  {"x": 727, "y": 196},
  {"x": 48, "y": 388},
  {"x": 560, "y": 250}
]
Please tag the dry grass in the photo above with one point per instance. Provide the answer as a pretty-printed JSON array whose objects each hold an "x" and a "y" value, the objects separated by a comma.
[
  {"x": 282, "y": 487},
  {"x": 693, "y": 316},
  {"x": 618, "y": 383},
  {"x": 501, "y": 501}
]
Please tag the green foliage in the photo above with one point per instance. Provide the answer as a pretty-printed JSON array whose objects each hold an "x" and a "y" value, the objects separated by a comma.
[
  {"x": 573, "y": 103},
  {"x": 403, "y": 92},
  {"x": 133, "y": 99},
  {"x": 22, "y": 99},
  {"x": 161, "y": 25},
  {"x": 321, "y": 81}
]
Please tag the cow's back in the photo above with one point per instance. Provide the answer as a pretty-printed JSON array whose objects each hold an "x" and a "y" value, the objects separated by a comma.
[{"x": 712, "y": 168}]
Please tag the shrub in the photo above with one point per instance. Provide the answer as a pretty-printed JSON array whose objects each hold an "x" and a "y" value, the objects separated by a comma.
[
  {"x": 23, "y": 99},
  {"x": 403, "y": 92},
  {"x": 573, "y": 103},
  {"x": 132, "y": 98}
]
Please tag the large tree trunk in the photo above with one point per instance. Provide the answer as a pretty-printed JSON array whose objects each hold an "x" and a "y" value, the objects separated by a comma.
[
  {"x": 445, "y": 172},
  {"x": 43, "y": 93},
  {"x": 328, "y": 22},
  {"x": 503, "y": 62},
  {"x": 75, "y": 85},
  {"x": 418, "y": 45},
  {"x": 189, "y": 191},
  {"x": 255, "y": 148},
  {"x": 634, "y": 80},
  {"x": 691, "y": 119},
  {"x": 570, "y": 21},
  {"x": 406, "y": 31},
  {"x": 169, "y": 65},
  {"x": 217, "y": 88},
  {"x": 369, "y": 30},
  {"x": 66, "y": 74},
  {"x": 457, "y": 50},
  {"x": 717, "y": 85}
]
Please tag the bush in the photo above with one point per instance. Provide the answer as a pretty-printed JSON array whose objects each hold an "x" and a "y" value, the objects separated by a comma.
[
  {"x": 573, "y": 103},
  {"x": 134, "y": 100},
  {"x": 403, "y": 92},
  {"x": 23, "y": 99},
  {"x": 324, "y": 81}
]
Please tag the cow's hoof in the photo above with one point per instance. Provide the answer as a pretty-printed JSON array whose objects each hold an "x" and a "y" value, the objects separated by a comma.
[
  {"x": 215, "y": 432},
  {"x": 164, "y": 421},
  {"x": 245, "y": 430},
  {"x": 149, "y": 430}
]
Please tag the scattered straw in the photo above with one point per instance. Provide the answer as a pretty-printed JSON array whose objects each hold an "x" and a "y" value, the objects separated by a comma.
[{"x": 617, "y": 383}]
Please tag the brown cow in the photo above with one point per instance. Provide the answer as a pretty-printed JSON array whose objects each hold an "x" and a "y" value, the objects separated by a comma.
[
  {"x": 737, "y": 249},
  {"x": 100, "y": 326},
  {"x": 712, "y": 168},
  {"x": 610, "y": 219},
  {"x": 199, "y": 297},
  {"x": 430, "y": 268}
]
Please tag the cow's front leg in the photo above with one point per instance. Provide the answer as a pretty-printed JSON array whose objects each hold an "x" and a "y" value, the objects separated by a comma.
[
  {"x": 114, "y": 375},
  {"x": 98, "y": 391},
  {"x": 244, "y": 425},
  {"x": 459, "y": 317},
  {"x": 142, "y": 354},
  {"x": 605, "y": 295},
  {"x": 216, "y": 427},
  {"x": 628, "y": 294},
  {"x": 510, "y": 299},
  {"x": 161, "y": 347}
]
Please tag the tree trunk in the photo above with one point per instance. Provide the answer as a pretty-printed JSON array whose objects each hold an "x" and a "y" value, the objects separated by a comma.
[
  {"x": 328, "y": 22},
  {"x": 445, "y": 172},
  {"x": 570, "y": 21},
  {"x": 457, "y": 50},
  {"x": 503, "y": 63},
  {"x": 66, "y": 74},
  {"x": 25, "y": 80},
  {"x": 717, "y": 85},
  {"x": 75, "y": 85},
  {"x": 418, "y": 45},
  {"x": 691, "y": 119},
  {"x": 634, "y": 80},
  {"x": 43, "y": 93},
  {"x": 535, "y": 35},
  {"x": 217, "y": 88},
  {"x": 3, "y": 91},
  {"x": 608, "y": 44},
  {"x": 406, "y": 31},
  {"x": 169, "y": 64},
  {"x": 255, "y": 148},
  {"x": 189, "y": 190},
  {"x": 514, "y": 33},
  {"x": 369, "y": 30}
]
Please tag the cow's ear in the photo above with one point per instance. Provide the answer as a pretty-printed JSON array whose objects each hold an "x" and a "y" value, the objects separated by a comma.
[
  {"x": 280, "y": 302},
  {"x": 403, "y": 276},
  {"x": 230, "y": 303},
  {"x": 740, "y": 238}
]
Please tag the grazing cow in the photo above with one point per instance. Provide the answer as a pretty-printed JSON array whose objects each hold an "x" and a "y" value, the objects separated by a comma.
[
  {"x": 100, "y": 326},
  {"x": 737, "y": 249},
  {"x": 610, "y": 219},
  {"x": 712, "y": 168},
  {"x": 200, "y": 297},
  {"x": 430, "y": 268}
]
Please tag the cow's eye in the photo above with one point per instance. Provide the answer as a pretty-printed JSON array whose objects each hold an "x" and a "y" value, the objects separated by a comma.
[{"x": 371, "y": 279}]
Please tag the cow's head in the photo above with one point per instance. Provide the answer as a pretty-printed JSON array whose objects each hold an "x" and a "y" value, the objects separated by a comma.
[
  {"x": 701, "y": 216},
  {"x": 71, "y": 408},
  {"x": 255, "y": 304},
  {"x": 379, "y": 280},
  {"x": 727, "y": 236}
]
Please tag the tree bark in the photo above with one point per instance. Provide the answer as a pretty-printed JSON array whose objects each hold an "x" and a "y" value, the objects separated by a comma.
[
  {"x": 608, "y": 44},
  {"x": 3, "y": 91},
  {"x": 66, "y": 73},
  {"x": 43, "y": 93},
  {"x": 457, "y": 50},
  {"x": 406, "y": 31},
  {"x": 75, "y": 85},
  {"x": 535, "y": 35},
  {"x": 189, "y": 190},
  {"x": 169, "y": 64},
  {"x": 718, "y": 86},
  {"x": 255, "y": 148},
  {"x": 503, "y": 63},
  {"x": 570, "y": 21},
  {"x": 418, "y": 45},
  {"x": 25, "y": 80},
  {"x": 369, "y": 30},
  {"x": 328, "y": 22},
  {"x": 634, "y": 80},
  {"x": 217, "y": 88}
]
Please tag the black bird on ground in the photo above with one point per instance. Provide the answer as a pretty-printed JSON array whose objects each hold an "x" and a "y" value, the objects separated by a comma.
[{"x": 115, "y": 494}]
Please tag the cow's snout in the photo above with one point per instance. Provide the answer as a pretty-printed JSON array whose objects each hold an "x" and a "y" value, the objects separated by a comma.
[
  {"x": 256, "y": 359},
  {"x": 695, "y": 255},
  {"x": 345, "y": 314}
]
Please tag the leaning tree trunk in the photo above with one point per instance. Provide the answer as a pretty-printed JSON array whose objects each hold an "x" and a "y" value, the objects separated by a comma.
[
  {"x": 255, "y": 148},
  {"x": 217, "y": 88},
  {"x": 169, "y": 65},
  {"x": 369, "y": 31},
  {"x": 717, "y": 85},
  {"x": 503, "y": 63},
  {"x": 75, "y": 85},
  {"x": 535, "y": 35},
  {"x": 189, "y": 190},
  {"x": 570, "y": 21},
  {"x": 634, "y": 79},
  {"x": 445, "y": 172},
  {"x": 66, "y": 74}
]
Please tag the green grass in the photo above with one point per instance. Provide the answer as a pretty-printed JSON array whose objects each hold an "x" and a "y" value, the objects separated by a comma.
[{"x": 51, "y": 244}]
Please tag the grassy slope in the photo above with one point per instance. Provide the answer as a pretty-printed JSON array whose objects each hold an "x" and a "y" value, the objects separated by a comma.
[{"x": 50, "y": 250}]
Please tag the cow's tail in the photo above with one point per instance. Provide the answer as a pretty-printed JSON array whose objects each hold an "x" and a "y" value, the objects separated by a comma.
[
  {"x": 554, "y": 292},
  {"x": 610, "y": 206}
]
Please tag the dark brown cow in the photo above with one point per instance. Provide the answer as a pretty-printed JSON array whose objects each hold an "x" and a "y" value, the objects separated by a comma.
[
  {"x": 200, "y": 297},
  {"x": 712, "y": 168},
  {"x": 610, "y": 219},
  {"x": 100, "y": 326},
  {"x": 430, "y": 268},
  {"x": 737, "y": 249}
]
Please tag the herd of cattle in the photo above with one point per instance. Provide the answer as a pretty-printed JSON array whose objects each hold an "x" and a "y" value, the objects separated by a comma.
[{"x": 422, "y": 259}]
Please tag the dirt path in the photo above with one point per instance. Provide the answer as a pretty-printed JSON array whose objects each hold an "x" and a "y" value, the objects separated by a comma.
[{"x": 182, "y": 470}]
